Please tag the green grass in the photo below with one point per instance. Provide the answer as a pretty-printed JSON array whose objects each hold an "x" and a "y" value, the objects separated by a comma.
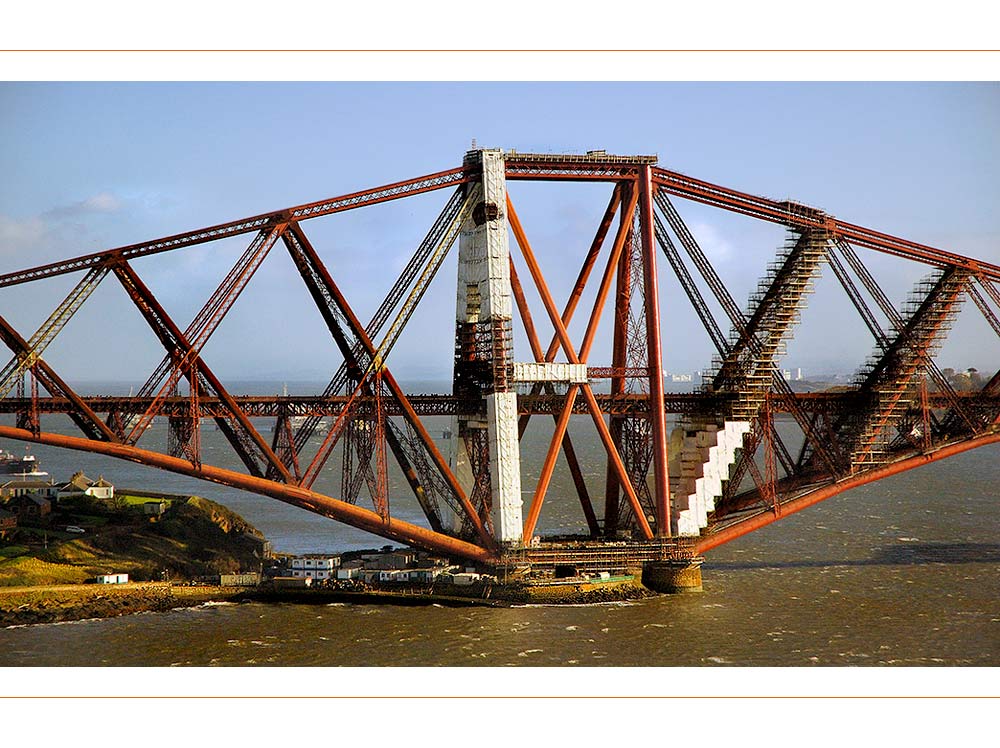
[
  {"x": 13, "y": 551},
  {"x": 26, "y": 571},
  {"x": 196, "y": 538},
  {"x": 130, "y": 500}
]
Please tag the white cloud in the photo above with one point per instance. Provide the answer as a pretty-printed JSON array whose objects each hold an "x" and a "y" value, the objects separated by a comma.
[
  {"x": 713, "y": 244},
  {"x": 34, "y": 234},
  {"x": 19, "y": 235},
  {"x": 103, "y": 202}
]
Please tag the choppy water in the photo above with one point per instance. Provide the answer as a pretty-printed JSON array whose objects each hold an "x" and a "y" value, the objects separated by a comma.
[{"x": 902, "y": 572}]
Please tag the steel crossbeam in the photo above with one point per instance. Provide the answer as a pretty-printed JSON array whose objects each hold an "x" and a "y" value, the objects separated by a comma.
[
  {"x": 360, "y": 199},
  {"x": 803, "y": 217}
]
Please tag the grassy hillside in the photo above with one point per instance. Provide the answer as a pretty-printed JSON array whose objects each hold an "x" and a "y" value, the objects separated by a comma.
[{"x": 192, "y": 539}]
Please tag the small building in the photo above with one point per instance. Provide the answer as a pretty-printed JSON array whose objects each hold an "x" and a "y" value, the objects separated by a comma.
[
  {"x": 154, "y": 508},
  {"x": 29, "y": 506},
  {"x": 349, "y": 572},
  {"x": 81, "y": 485},
  {"x": 387, "y": 561},
  {"x": 8, "y": 523},
  {"x": 426, "y": 576},
  {"x": 402, "y": 559},
  {"x": 101, "y": 489},
  {"x": 315, "y": 567},
  {"x": 112, "y": 578},
  {"x": 25, "y": 486},
  {"x": 465, "y": 579},
  {"x": 394, "y": 575},
  {"x": 241, "y": 579}
]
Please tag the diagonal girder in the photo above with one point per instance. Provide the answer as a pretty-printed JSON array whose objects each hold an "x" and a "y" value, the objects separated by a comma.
[
  {"x": 433, "y": 252},
  {"x": 368, "y": 361},
  {"x": 889, "y": 378},
  {"x": 774, "y": 311},
  {"x": 567, "y": 443},
  {"x": 246, "y": 440},
  {"x": 49, "y": 329},
  {"x": 79, "y": 411},
  {"x": 571, "y": 354},
  {"x": 958, "y": 412},
  {"x": 804, "y": 218},
  {"x": 440, "y": 236},
  {"x": 328, "y": 300},
  {"x": 581, "y": 283},
  {"x": 201, "y": 328},
  {"x": 740, "y": 324}
]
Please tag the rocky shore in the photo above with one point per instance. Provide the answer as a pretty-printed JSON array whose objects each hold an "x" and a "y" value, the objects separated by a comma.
[
  {"x": 21, "y": 606},
  {"x": 50, "y": 604}
]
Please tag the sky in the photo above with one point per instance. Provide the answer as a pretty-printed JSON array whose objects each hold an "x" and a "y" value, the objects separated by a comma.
[{"x": 90, "y": 166}]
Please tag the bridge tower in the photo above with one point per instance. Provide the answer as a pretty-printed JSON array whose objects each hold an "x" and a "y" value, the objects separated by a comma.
[{"x": 487, "y": 457}]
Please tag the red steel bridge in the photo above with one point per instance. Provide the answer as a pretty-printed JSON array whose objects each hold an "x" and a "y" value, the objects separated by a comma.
[{"x": 670, "y": 493}]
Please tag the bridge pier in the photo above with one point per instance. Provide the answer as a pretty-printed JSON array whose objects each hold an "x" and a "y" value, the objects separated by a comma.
[
  {"x": 683, "y": 575},
  {"x": 487, "y": 456}
]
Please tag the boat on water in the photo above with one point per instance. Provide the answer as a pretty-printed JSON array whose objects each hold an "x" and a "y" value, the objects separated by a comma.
[{"x": 22, "y": 467}]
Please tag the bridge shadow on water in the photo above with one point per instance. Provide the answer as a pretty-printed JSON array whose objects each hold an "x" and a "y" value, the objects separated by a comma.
[{"x": 910, "y": 554}]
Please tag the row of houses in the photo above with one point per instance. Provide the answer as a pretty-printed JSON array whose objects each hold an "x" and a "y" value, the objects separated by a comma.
[
  {"x": 30, "y": 499},
  {"x": 398, "y": 566},
  {"x": 441, "y": 574},
  {"x": 437, "y": 575},
  {"x": 78, "y": 485}
]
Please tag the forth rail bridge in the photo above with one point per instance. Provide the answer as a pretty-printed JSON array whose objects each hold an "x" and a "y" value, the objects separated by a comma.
[{"x": 669, "y": 495}]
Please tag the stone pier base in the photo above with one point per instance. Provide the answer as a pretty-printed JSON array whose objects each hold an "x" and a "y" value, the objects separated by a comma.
[{"x": 672, "y": 576}]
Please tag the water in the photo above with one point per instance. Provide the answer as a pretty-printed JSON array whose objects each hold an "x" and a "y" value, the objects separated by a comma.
[{"x": 900, "y": 572}]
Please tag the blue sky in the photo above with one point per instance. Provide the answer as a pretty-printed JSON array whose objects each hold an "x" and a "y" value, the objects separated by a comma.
[{"x": 94, "y": 165}]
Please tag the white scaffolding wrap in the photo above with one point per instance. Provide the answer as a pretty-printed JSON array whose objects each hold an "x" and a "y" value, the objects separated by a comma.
[
  {"x": 484, "y": 298},
  {"x": 505, "y": 465},
  {"x": 555, "y": 372}
]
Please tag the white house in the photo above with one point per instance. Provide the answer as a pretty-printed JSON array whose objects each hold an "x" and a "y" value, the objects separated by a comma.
[
  {"x": 112, "y": 578},
  {"x": 81, "y": 485},
  {"x": 25, "y": 486},
  {"x": 315, "y": 567}
]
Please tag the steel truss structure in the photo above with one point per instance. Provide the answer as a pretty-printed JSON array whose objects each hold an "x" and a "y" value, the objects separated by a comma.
[{"x": 722, "y": 471}]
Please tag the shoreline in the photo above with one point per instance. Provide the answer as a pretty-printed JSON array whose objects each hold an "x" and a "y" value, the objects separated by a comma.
[{"x": 25, "y": 606}]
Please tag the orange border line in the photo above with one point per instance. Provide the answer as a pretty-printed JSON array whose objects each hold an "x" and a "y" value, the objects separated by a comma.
[{"x": 516, "y": 51}]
